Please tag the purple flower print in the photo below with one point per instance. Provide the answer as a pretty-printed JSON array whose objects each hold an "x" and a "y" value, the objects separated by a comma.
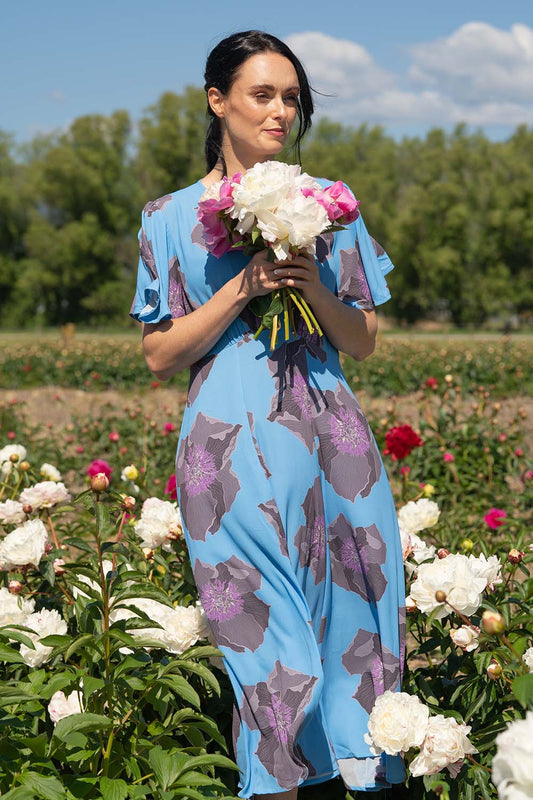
[
  {"x": 198, "y": 374},
  {"x": 378, "y": 667},
  {"x": 156, "y": 205},
  {"x": 324, "y": 243},
  {"x": 310, "y": 538},
  {"x": 271, "y": 512},
  {"x": 259, "y": 452},
  {"x": 356, "y": 556},
  {"x": 347, "y": 452},
  {"x": 276, "y": 707},
  {"x": 402, "y": 622},
  {"x": 178, "y": 299},
  {"x": 208, "y": 486},
  {"x": 147, "y": 254},
  {"x": 238, "y": 618},
  {"x": 295, "y": 403},
  {"x": 377, "y": 247},
  {"x": 353, "y": 285}
]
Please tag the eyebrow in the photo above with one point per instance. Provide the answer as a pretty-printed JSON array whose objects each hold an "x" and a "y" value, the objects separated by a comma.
[{"x": 273, "y": 88}]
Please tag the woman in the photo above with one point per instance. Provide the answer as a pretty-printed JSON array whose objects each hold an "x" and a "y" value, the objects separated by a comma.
[{"x": 288, "y": 515}]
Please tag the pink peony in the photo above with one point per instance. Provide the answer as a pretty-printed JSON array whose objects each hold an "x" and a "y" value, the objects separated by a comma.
[
  {"x": 339, "y": 202},
  {"x": 495, "y": 517},
  {"x": 99, "y": 465},
  {"x": 170, "y": 488},
  {"x": 114, "y": 436},
  {"x": 448, "y": 457}
]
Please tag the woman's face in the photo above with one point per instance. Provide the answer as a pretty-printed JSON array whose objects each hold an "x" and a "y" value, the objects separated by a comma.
[{"x": 260, "y": 108}]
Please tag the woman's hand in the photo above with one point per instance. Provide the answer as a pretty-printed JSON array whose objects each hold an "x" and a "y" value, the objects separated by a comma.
[
  {"x": 300, "y": 273},
  {"x": 258, "y": 278}
]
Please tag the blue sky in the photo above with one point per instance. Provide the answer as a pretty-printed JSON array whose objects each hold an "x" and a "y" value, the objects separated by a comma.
[{"x": 407, "y": 66}]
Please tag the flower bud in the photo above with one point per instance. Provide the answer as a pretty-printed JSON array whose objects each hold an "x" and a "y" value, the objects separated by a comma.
[
  {"x": 15, "y": 587},
  {"x": 175, "y": 530},
  {"x": 58, "y": 566},
  {"x": 467, "y": 545},
  {"x": 494, "y": 670},
  {"x": 148, "y": 553},
  {"x": 24, "y": 466},
  {"x": 14, "y": 457},
  {"x": 27, "y": 508},
  {"x": 128, "y": 502},
  {"x": 497, "y": 406},
  {"x": 515, "y": 556},
  {"x": 492, "y": 622},
  {"x": 442, "y": 552},
  {"x": 440, "y": 596},
  {"x": 410, "y": 604},
  {"x": 99, "y": 482},
  {"x": 448, "y": 378},
  {"x": 428, "y": 490}
]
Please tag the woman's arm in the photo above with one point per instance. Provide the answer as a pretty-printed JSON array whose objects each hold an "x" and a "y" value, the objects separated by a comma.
[
  {"x": 351, "y": 330},
  {"x": 171, "y": 345}
]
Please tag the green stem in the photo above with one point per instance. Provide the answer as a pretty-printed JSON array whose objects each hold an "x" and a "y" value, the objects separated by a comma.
[
  {"x": 303, "y": 312},
  {"x": 260, "y": 329},
  {"x": 285, "y": 314}
]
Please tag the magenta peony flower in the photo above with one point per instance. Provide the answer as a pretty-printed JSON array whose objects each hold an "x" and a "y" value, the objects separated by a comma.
[
  {"x": 339, "y": 202},
  {"x": 448, "y": 457},
  {"x": 170, "y": 488},
  {"x": 99, "y": 465},
  {"x": 495, "y": 517}
]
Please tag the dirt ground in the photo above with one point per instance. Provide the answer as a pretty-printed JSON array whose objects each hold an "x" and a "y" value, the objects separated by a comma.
[{"x": 56, "y": 406}]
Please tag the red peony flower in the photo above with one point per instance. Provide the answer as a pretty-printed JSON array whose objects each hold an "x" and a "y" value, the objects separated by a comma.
[
  {"x": 431, "y": 383},
  {"x": 495, "y": 517},
  {"x": 400, "y": 441},
  {"x": 170, "y": 488},
  {"x": 114, "y": 436},
  {"x": 169, "y": 427},
  {"x": 99, "y": 465}
]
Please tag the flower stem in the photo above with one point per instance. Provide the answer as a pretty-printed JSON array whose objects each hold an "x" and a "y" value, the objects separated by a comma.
[
  {"x": 285, "y": 314},
  {"x": 54, "y": 536},
  {"x": 303, "y": 312}
]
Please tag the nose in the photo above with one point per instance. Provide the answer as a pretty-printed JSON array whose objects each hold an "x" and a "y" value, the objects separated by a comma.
[{"x": 279, "y": 109}]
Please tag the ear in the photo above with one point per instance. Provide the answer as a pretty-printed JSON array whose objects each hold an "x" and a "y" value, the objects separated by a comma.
[{"x": 215, "y": 98}]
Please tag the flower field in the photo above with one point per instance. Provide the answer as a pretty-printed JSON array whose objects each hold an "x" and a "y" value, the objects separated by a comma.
[{"x": 110, "y": 684}]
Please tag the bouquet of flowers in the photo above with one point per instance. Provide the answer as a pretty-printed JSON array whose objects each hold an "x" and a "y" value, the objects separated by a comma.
[{"x": 275, "y": 206}]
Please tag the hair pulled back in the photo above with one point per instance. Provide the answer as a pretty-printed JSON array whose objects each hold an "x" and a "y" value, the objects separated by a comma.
[{"x": 221, "y": 67}]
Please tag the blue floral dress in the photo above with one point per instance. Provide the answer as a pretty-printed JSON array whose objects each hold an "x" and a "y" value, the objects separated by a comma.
[{"x": 288, "y": 514}]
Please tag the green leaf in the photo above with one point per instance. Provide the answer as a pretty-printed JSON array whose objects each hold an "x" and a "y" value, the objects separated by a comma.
[
  {"x": 138, "y": 590},
  {"x": 11, "y": 695},
  {"x": 80, "y": 723},
  {"x": 203, "y": 672},
  {"x": 523, "y": 690},
  {"x": 102, "y": 516},
  {"x": 46, "y": 787},
  {"x": 215, "y": 759},
  {"x": 78, "y": 643},
  {"x": 9, "y": 655},
  {"x": 113, "y": 789},
  {"x": 181, "y": 687},
  {"x": 46, "y": 568},
  {"x": 55, "y": 640},
  {"x": 166, "y": 766},
  {"x": 79, "y": 544}
]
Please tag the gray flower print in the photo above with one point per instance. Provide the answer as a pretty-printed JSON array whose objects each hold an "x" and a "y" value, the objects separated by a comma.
[
  {"x": 271, "y": 512},
  {"x": 347, "y": 452},
  {"x": 157, "y": 205},
  {"x": 310, "y": 538},
  {"x": 208, "y": 486},
  {"x": 259, "y": 452},
  {"x": 402, "y": 626},
  {"x": 198, "y": 374},
  {"x": 294, "y": 403},
  {"x": 324, "y": 243},
  {"x": 322, "y": 629},
  {"x": 277, "y": 707},
  {"x": 356, "y": 556},
  {"x": 353, "y": 284},
  {"x": 238, "y": 618},
  {"x": 377, "y": 247},
  {"x": 378, "y": 667},
  {"x": 147, "y": 254},
  {"x": 178, "y": 299}
]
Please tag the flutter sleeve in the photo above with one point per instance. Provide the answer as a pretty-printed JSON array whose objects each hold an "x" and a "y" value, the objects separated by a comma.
[
  {"x": 362, "y": 265},
  {"x": 160, "y": 292}
]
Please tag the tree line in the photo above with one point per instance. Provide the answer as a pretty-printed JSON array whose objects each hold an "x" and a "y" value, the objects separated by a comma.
[{"x": 454, "y": 212}]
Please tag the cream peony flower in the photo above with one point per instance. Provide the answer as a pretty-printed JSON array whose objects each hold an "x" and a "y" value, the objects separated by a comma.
[
  {"x": 296, "y": 223},
  {"x": 45, "y": 495},
  {"x": 445, "y": 745},
  {"x": 417, "y": 515},
  {"x": 452, "y": 575},
  {"x": 61, "y": 706},
  {"x": 50, "y": 473},
  {"x": 43, "y": 623},
  {"x": 181, "y": 626},
  {"x": 466, "y": 637},
  {"x": 14, "y": 609},
  {"x": 397, "y": 722},
  {"x": 24, "y": 545},
  {"x": 527, "y": 658},
  {"x": 159, "y": 524},
  {"x": 418, "y": 550},
  {"x": 487, "y": 568},
  {"x": 512, "y": 766},
  {"x": 11, "y": 512},
  {"x": 6, "y": 453}
]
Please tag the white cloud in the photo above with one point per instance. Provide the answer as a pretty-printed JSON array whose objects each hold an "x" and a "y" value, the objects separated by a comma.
[
  {"x": 479, "y": 74},
  {"x": 57, "y": 96}
]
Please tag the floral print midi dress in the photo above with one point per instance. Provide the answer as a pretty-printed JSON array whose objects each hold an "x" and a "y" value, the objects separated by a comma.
[{"x": 288, "y": 514}]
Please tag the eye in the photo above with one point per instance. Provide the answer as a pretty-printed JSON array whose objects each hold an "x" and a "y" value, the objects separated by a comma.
[{"x": 292, "y": 98}]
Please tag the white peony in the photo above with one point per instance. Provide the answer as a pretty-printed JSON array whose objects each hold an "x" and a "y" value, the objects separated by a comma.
[
  {"x": 263, "y": 187},
  {"x": 405, "y": 538},
  {"x": 159, "y": 524},
  {"x": 527, "y": 658},
  {"x": 43, "y": 623},
  {"x": 487, "y": 568},
  {"x": 11, "y": 512},
  {"x": 466, "y": 637},
  {"x": 50, "y": 473},
  {"x": 107, "y": 567},
  {"x": 14, "y": 609},
  {"x": 181, "y": 626},
  {"x": 296, "y": 223},
  {"x": 45, "y": 495},
  {"x": 452, "y": 575},
  {"x": 419, "y": 551},
  {"x": 397, "y": 722},
  {"x": 24, "y": 545},
  {"x": 5, "y": 455},
  {"x": 417, "y": 515},
  {"x": 512, "y": 766},
  {"x": 446, "y": 743},
  {"x": 61, "y": 706}
]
